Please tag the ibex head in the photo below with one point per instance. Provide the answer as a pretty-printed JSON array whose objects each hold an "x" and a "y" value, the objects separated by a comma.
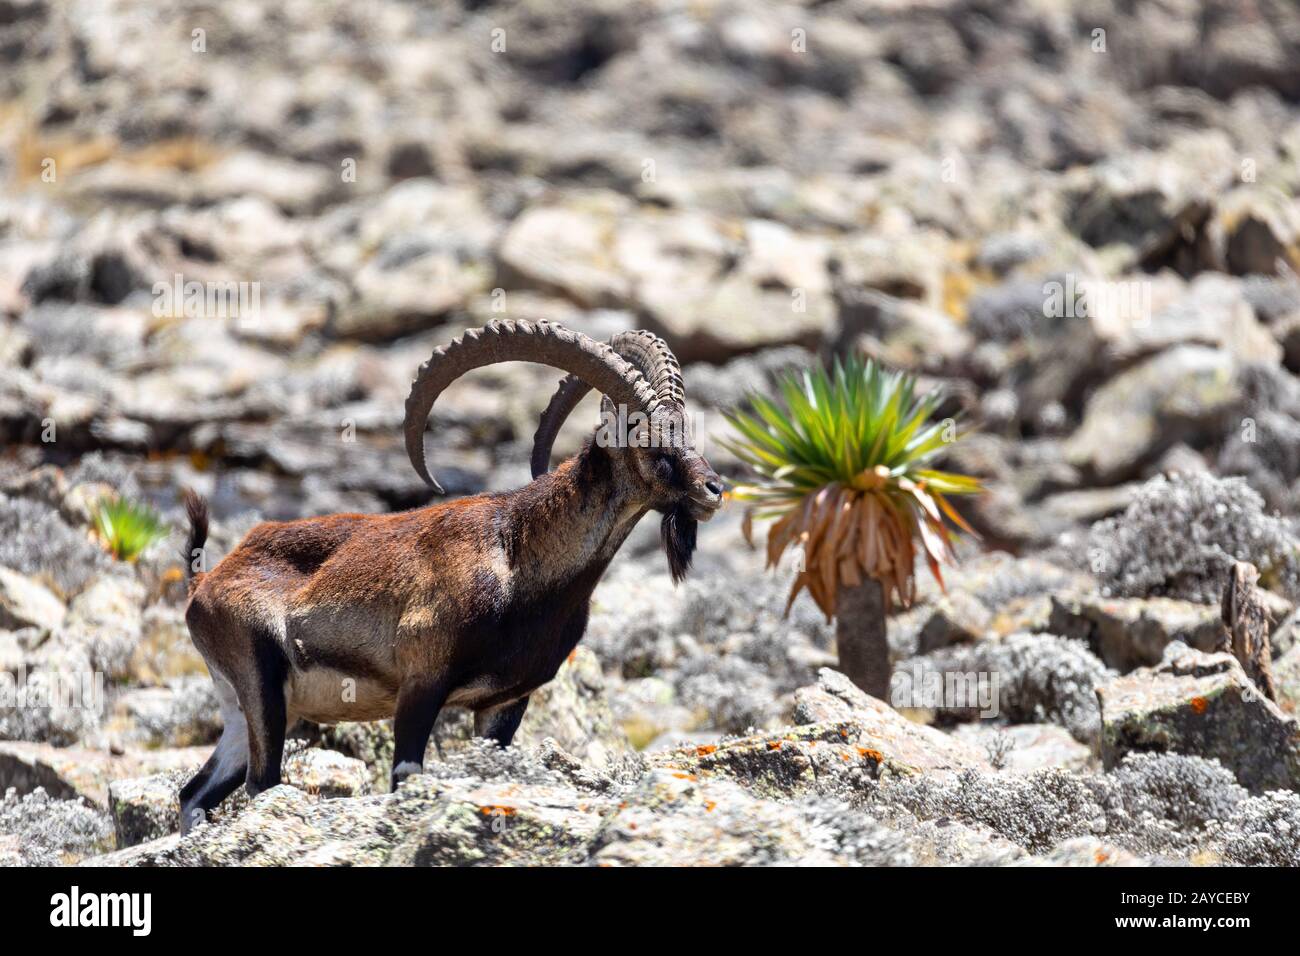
[
  {"x": 675, "y": 479},
  {"x": 643, "y": 411}
]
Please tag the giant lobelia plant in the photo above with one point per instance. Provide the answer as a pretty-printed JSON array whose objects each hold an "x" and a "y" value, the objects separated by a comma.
[{"x": 843, "y": 459}]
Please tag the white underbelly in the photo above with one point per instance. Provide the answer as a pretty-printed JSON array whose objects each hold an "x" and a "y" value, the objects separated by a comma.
[{"x": 328, "y": 697}]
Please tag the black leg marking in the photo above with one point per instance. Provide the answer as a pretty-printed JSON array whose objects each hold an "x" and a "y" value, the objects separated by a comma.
[
  {"x": 197, "y": 782},
  {"x": 267, "y": 715},
  {"x": 500, "y": 723},
  {"x": 417, "y": 711},
  {"x": 225, "y": 769}
]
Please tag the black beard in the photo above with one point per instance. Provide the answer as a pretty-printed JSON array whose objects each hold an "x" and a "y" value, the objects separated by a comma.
[{"x": 678, "y": 532}]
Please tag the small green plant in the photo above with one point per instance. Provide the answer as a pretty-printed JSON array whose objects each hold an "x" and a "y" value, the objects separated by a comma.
[
  {"x": 844, "y": 464},
  {"x": 127, "y": 527}
]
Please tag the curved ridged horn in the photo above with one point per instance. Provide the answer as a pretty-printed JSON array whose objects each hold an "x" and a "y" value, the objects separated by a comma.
[
  {"x": 647, "y": 352},
  {"x": 592, "y": 362}
]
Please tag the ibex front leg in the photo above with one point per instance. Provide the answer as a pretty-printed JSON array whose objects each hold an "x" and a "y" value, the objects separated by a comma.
[{"x": 418, "y": 704}]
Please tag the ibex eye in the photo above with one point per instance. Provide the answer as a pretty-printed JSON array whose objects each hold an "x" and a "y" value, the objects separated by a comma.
[{"x": 664, "y": 466}]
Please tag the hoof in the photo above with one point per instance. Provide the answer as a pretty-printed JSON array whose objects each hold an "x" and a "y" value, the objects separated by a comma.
[
  {"x": 406, "y": 768},
  {"x": 192, "y": 817}
]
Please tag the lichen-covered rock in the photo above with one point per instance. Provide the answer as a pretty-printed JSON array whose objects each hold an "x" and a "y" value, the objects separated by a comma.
[
  {"x": 145, "y": 808},
  {"x": 788, "y": 763},
  {"x": 488, "y": 806},
  {"x": 272, "y": 830},
  {"x": 1134, "y": 632},
  {"x": 71, "y": 772},
  {"x": 1084, "y": 851},
  {"x": 842, "y": 732},
  {"x": 662, "y": 818},
  {"x": 1159, "y": 806},
  {"x": 674, "y": 817},
  {"x": 427, "y": 822},
  {"x": 106, "y": 619},
  {"x": 184, "y": 713},
  {"x": 370, "y": 742},
  {"x": 1201, "y": 705},
  {"x": 325, "y": 773},
  {"x": 1022, "y": 748},
  {"x": 497, "y": 824},
  {"x": 573, "y": 709},
  {"x": 53, "y": 696}
]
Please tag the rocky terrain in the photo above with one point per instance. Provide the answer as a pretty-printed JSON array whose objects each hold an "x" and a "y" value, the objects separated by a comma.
[{"x": 1077, "y": 217}]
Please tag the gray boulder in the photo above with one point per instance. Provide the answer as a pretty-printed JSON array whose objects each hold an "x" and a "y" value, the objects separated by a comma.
[
  {"x": 1134, "y": 632},
  {"x": 1186, "y": 393},
  {"x": 72, "y": 772},
  {"x": 27, "y": 603},
  {"x": 145, "y": 808},
  {"x": 1201, "y": 705}
]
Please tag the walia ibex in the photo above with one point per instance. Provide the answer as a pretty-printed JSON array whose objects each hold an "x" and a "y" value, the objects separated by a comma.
[{"x": 474, "y": 602}]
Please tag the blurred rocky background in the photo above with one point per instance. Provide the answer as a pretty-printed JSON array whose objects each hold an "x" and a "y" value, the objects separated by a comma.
[{"x": 1077, "y": 216}]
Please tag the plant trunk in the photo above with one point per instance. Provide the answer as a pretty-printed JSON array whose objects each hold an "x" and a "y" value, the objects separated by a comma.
[{"x": 860, "y": 637}]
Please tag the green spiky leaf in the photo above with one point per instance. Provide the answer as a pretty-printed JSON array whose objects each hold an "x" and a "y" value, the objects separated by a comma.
[
  {"x": 858, "y": 435},
  {"x": 126, "y": 527}
]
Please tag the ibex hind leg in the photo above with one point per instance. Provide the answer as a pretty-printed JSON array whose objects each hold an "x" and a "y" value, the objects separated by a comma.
[
  {"x": 225, "y": 769},
  {"x": 500, "y": 723},
  {"x": 263, "y": 697}
]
